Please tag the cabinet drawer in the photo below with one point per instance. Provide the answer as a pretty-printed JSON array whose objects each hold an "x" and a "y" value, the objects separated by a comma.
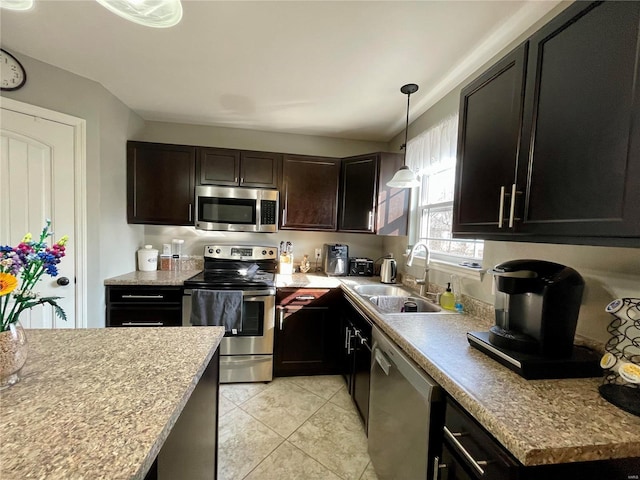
[
  {"x": 303, "y": 296},
  {"x": 481, "y": 455},
  {"x": 144, "y": 295},
  {"x": 144, "y": 316}
]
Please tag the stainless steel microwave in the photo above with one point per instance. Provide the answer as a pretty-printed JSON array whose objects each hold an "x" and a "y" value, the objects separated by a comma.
[{"x": 236, "y": 209}]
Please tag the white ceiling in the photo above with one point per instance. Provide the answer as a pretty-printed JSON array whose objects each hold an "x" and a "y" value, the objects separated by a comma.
[{"x": 331, "y": 68}]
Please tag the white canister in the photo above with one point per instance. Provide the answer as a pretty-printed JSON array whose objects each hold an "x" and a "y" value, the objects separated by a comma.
[{"x": 147, "y": 259}]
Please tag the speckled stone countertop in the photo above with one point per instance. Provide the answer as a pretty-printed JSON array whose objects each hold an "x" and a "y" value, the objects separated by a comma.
[
  {"x": 155, "y": 278},
  {"x": 99, "y": 403},
  {"x": 538, "y": 421}
]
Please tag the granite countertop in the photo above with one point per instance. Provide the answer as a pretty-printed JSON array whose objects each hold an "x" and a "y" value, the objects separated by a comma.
[
  {"x": 154, "y": 278},
  {"x": 539, "y": 421},
  {"x": 99, "y": 403}
]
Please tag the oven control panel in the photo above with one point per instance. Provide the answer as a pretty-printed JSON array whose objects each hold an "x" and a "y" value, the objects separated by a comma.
[{"x": 240, "y": 252}]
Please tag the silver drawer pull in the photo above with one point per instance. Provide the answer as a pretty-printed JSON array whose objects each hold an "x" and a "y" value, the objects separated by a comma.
[
  {"x": 305, "y": 297},
  {"x": 476, "y": 464},
  {"x": 144, "y": 296},
  {"x": 143, "y": 324}
]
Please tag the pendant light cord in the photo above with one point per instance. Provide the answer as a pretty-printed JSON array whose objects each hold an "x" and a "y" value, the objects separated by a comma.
[{"x": 406, "y": 133}]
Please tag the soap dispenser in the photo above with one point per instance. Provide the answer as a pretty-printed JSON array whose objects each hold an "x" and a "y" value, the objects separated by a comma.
[{"x": 448, "y": 299}]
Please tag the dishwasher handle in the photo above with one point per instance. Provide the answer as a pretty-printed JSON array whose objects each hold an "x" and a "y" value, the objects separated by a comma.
[{"x": 381, "y": 360}]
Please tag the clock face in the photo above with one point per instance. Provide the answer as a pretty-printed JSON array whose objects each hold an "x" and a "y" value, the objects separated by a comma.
[{"x": 12, "y": 72}]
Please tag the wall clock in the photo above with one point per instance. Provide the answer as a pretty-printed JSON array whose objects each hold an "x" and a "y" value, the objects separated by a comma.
[{"x": 11, "y": 71}]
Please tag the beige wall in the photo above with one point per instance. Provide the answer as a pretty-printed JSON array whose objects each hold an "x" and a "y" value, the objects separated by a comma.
[{"x": 255, "y": 140}]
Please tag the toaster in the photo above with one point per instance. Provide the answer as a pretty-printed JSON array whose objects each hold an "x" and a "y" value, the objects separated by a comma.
[{"x": 362, "y": 267}]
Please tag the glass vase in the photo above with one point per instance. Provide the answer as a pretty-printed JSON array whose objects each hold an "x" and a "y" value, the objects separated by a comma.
[{"x": 13, "y": 354}]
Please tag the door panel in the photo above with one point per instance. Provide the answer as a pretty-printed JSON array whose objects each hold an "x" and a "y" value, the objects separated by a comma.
[{"x": 37, "y": 183}]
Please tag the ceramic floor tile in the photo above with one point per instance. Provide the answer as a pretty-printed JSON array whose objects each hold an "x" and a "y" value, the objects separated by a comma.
[
  {"x": 283, "y": 406},
  {"x": 239, "y": 393},
  {"x": 342, "y": 399},
  {"x": 224, "y": 405},
  {"x": 243, "y": 442},
  {"x": 290, "y": 463},
  {"x": 369, "y": 473},
  {"x": 335, "y": 437},
  {"x": 324, "y": 386}
]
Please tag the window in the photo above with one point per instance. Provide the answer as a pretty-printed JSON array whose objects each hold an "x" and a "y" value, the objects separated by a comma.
[{"x": 432, "y": 155}]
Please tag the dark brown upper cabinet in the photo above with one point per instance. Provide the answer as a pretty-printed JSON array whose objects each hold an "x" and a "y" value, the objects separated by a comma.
[
  {"x": 309, "y": 193},
  {"x": 577, "y": 160},
  {"x": 488, "y": 133},
  {"x": 219, "y": 166},
  {"x": 367, "y": 205},
  {"x": 160, "y": 183}
]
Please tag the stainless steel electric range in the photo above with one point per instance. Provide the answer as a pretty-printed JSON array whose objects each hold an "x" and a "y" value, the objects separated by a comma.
[{"x": 246, "y": 352}]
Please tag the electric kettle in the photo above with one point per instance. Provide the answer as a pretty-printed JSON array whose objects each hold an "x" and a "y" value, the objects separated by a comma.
[{"x": 388, "y": 271}]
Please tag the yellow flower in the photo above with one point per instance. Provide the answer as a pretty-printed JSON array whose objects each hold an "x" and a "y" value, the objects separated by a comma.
[
  {"x": 63, "y": 241},
  {"x": 8, "y": 283},
  {"x": 27, "y": 238}
]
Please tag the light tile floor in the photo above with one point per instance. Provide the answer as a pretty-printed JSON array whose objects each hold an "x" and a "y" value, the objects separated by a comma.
[{"x": 293, "y": 428}]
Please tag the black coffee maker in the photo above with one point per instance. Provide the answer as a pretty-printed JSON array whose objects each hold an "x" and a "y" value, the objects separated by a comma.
[{"x": 536, "y": 307}]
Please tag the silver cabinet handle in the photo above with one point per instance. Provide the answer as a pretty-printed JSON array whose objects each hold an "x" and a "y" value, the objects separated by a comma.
[
  {"x": 346, "y": 338},
  {"x": 512, "y": 209},
  {"x": 235, "y": 179},
  {"x": 190, "y": 213},
  {"x": 241, "y": 179},
  {"x": 349, "y": 337},
  {"x": 305, "y": 297},
  {"x": 281, "y": 322},
  {"x": 144, "y": 296},
  {"x": 143, "y": 324},
  {"x": 437, "y": 466},
  {"x": 371, "y": 220},
  {"x": 476, "y": 464},
  {"x": 501, "y": 208},
  {"x": 284, "y": 216}
]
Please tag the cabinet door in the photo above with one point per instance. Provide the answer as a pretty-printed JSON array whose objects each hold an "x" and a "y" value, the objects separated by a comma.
[
  {"x": 260, "y": 169},
  {"x": 305, "y": 341},
  {"x": 392, "y": 207},
  {"x": 218, "y": 166},
  {"x": 309, "y": 194},
  {"x": 160, "y": 183},
  {"x": 358, "y": 194},
  {"x": 488, "y": 134},
  {"x": 580, "y": 155}
]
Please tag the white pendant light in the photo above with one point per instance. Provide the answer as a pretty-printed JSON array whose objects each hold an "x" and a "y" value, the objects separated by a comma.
[
  {"x": 404, "y": 177},
  {"x": 16, "y": 4},
  {"x": 150, "y": 13}
]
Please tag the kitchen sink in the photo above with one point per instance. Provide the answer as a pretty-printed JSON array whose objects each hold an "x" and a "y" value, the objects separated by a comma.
[
  {"x": 385, "y": 290},
  {"x": 399, "y": 303}
]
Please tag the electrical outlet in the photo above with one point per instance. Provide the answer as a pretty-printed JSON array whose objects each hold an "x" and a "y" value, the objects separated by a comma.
[{"x": 318, "y": 252}]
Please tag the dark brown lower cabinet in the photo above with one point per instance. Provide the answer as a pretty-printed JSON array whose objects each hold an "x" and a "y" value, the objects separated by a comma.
[
  {"x": 355, "y": 358},
  {"x": 469, "y": 452},
  {"x": 143, "y": 306},
  {"x": 307, "y": 330}
]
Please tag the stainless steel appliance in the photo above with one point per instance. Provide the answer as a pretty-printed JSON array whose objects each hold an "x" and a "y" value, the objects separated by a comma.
[
  {"x": 236, "y": 209},
  {"x": 362, "y": 267},
  {"x": 336, "y": 259},
  {"x": 536, "y": 308},
  {"x": 405, "y": 411},
  {"x": 388, "y": 271},
  {"x": 246, "y": 355}
]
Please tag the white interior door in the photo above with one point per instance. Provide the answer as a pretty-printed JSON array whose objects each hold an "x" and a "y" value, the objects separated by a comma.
[{"x": 37, "y": 177}]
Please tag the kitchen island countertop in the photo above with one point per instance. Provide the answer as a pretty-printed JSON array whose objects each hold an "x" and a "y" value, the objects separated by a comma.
[{"x": 99, "y": 403}]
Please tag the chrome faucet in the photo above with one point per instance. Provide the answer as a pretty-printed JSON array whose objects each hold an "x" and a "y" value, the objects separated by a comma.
[{"x": 424, "y": 283}]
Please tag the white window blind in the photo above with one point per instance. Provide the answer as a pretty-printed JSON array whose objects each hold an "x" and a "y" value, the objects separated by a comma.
[{"x": 432, "y": 155}]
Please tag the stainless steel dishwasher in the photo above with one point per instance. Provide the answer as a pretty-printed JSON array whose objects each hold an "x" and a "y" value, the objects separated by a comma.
[{"x": 405, "y": 414}]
